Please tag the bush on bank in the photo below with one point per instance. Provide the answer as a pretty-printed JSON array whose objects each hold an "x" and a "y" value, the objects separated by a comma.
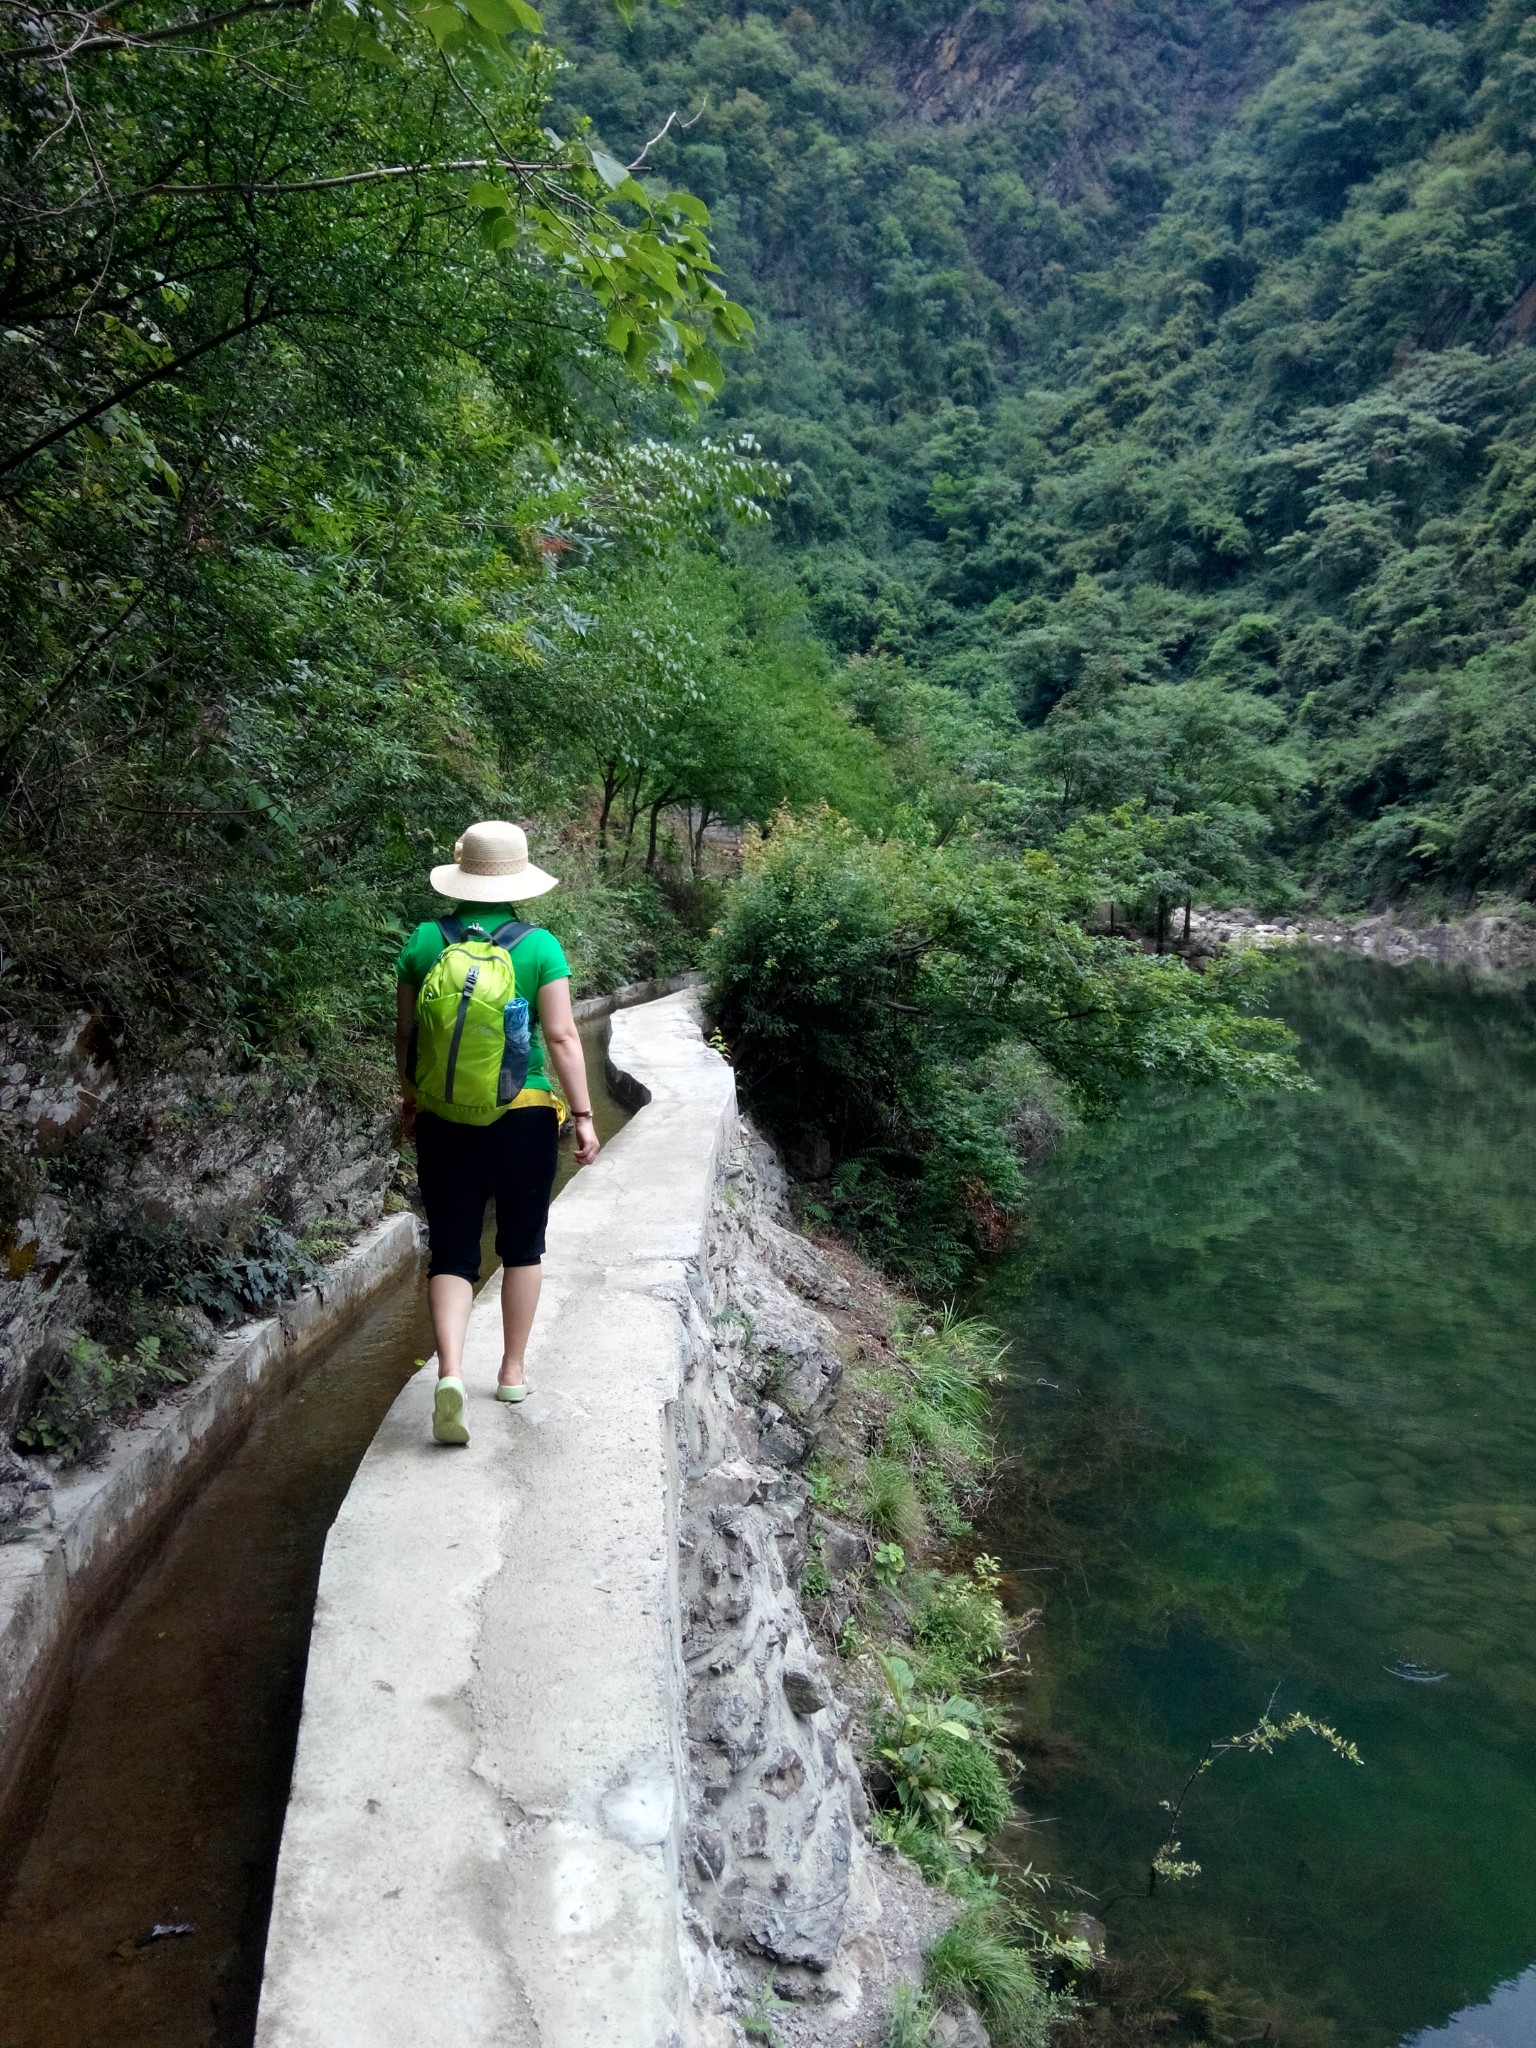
[{"x": 897, "y": 1009}]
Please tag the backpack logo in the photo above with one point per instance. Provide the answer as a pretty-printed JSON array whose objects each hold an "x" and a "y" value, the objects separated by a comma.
[{"x": 470, "y": 1049}]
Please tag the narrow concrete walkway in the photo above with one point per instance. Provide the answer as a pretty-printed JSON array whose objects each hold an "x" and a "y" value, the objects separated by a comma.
[{"x": 482, "y": 1835}]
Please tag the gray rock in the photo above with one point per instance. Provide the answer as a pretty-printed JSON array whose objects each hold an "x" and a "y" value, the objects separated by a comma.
[
  {"x": 1083, "y": 1927},
  {"x": 800, "y": 1265},
  {"x": 784, "y": 1445},
  {"x": 842, "y": 1549},
  {"x": 807, "y": 1694},
  {"x": 200, "y": 1146},
  {"x": 775, "y": 1799},
  {"x": 960, "y": 2029}
]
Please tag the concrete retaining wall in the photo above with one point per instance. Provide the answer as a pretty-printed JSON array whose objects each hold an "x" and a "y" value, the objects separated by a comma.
[
  {"x": 484, "y": 1827},
  {"x": 103, "y": 1515}
]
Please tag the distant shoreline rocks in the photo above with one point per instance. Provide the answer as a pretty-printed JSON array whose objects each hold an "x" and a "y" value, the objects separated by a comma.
[{"x": 1495, "y": 941}]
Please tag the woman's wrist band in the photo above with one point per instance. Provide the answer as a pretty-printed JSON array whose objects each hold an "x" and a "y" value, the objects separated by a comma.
[{"x": 580, "y": 1113}]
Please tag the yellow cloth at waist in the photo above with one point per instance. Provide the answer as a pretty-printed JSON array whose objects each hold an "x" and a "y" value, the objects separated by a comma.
[{"x": 539, "y": 1098}]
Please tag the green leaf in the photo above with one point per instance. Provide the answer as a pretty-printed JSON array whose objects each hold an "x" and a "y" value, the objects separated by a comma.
[
  {"x": 443, "y": 23},
  {"x": 498, "y": 230},
  {"x": 494, "y": 16},
  {"x": 707, "y": 371},
  {"x": 480, "y": 193},
  {"x": 685, "y": 203}
]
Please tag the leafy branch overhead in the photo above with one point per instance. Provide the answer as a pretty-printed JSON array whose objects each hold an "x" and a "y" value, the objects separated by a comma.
[{"x": 177, "y": 183}]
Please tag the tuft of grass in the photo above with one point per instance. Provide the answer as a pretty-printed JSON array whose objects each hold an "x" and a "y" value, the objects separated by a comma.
[
  {"x": 933, "y": 1856},
  {"x": 976, "y": 1960},
  {"x": 893, "y": 1507},
  {"x": 815, "y": 1579},
  {"x": 970, "y": 1773},
  {"x": 909, "y": 2022},
  {"x": 960, "y": 1627},
  {"x": 756, "y": 2019}
]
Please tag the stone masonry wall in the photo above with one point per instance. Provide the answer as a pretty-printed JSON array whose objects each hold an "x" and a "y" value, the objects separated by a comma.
[{"x": 777, "y": 1858}]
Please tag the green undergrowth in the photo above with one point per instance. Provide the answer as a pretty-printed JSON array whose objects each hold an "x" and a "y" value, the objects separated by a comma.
[
  {"x": 925, "y": 1628},
  {"x": 159, "y": 1288},
  {"x": 82, "y": 1394}
]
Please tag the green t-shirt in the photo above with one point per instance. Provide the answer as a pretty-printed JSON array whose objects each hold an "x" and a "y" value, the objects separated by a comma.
[{"x": 536, "y": 959}]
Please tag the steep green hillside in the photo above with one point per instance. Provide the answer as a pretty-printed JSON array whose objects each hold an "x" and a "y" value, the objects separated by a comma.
[{"x": 1156, "y": 383}]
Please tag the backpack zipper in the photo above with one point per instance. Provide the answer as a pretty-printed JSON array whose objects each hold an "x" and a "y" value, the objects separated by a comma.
[{"x": 458, "y": 1030}]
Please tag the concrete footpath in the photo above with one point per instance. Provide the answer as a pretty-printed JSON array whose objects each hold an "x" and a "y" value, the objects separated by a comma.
[{"x": 483, "y": 1830}]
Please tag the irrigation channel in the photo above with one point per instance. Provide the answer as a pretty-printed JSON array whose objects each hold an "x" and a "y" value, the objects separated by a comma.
[
  {"x": 1277, "y": 1442},
  {"x": 161, "y": 1801}
]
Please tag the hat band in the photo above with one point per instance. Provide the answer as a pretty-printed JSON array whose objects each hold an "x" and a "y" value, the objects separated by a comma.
[{"x": 490, "y": 865}]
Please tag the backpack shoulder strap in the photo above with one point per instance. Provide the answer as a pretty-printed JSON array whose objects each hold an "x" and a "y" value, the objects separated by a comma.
[
  {"x": 452, "y": 929},
  {"x": 510, "y": 934}
]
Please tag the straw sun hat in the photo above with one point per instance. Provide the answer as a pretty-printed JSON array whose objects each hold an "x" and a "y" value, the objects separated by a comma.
[{"x": 490, "y": 865}]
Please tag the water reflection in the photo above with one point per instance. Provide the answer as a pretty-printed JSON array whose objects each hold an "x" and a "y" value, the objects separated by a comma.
[{"x": 1276, "y": 1363}]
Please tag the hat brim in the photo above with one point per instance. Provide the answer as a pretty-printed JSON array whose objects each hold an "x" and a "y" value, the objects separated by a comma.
[{"x": 451, "y": 880}]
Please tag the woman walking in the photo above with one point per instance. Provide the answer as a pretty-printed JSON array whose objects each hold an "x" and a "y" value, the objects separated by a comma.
[{"x": 482, "y": 998}]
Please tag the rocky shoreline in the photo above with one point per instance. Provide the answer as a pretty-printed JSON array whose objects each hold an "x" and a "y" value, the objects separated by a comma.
[{"x": 1500, "y": 940}]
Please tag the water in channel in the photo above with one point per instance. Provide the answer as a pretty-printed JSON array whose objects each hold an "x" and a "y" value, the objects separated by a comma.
[
  {"x": 1274, "y": 1410},
  {"x": 161, "y": 1798}
]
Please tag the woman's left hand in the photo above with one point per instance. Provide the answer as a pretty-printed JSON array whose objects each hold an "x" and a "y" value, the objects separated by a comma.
[{"x": 587, "y": 1142}]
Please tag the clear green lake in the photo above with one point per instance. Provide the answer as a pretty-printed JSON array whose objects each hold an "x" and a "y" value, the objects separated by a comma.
[{"x": 1276, "y": 1439}]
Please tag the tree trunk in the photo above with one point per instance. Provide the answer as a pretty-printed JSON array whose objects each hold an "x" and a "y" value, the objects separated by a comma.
[
  {"x": 650, "y": 851},
  {"x": 697, "y": 839},
  {"x": 610, "y": 791},
  {"x": 1162, "y": 923},
  {"x": 631, "y": 820},
  {"x": 1187, "y": 906}
]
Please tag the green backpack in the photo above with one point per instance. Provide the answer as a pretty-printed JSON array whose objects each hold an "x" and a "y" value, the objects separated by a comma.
[{"x": 468, "y": 1055}]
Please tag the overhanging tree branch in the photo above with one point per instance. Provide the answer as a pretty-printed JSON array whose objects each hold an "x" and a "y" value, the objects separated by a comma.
[{"x": 88, "y": 45}]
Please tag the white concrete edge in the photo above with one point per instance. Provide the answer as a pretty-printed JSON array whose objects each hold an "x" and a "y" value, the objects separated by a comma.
[
  {"x": 104, "y": 1512},
  {"x": 483, "y": 1837},
  {"x": 632, "y": 994}
]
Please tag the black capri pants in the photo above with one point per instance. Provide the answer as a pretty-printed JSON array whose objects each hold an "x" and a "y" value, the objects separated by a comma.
[{"x": 459, "y": 1167}]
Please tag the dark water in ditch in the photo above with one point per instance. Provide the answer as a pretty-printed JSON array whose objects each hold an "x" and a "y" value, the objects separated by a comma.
[
  {"x": 162, "y": 1797},
  {"x": 1277, "y": 1391}
]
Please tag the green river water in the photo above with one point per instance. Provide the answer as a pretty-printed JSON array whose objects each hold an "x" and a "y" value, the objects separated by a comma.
[{"x": 1275, "y": 1421}]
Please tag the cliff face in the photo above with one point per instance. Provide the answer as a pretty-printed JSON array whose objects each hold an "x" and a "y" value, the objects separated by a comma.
[{"x": 1189, "y": 60}]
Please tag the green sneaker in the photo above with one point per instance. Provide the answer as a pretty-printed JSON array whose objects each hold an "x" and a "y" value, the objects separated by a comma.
[
  {"x": 520, "y": 1392},
  {"x": 448, "y": 1413}
]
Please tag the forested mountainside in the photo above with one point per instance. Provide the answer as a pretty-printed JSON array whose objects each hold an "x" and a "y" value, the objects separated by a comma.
[{"x": 1156, "y": 383}]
